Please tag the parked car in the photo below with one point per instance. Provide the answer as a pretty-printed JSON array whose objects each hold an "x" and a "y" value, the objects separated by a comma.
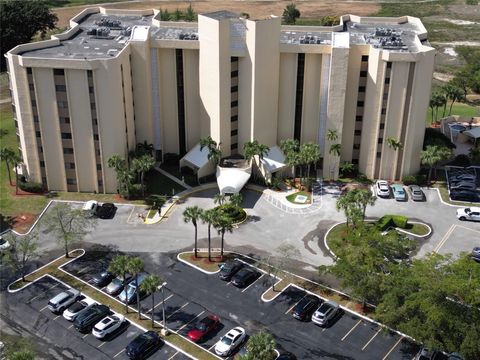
[
  {"x": 416, "y": 193},
  {"x": 304, "y": 309},
  {"x": 382, "y": 189},
  {"x": 4, "y": 244},
  {"x": 230, "y": 341},
  {"x": 470, "y": 213},
  {"x": 143, "y": 345},
  {"x": 85, "y": 321},
  {"x": 106, "y": 211},
  {"x": 426, "y": 354},
  {"x": 117, "y": 284},
  {"x": 325, "y": 313},
  {"x": 286, "y": 356},
  {"x": 244, "y": 277},
  {"x": 229, "y": 269},
  {"x": 108, "y": 326},
  {"x": 463, "y": 185},
  {"x": 470, "y": 177},
  {"x": 203, "y": 327},
  {"x": 77, "y": 307},
  {"x": 90, "y": 207},
  {"x": 63, "y": 300},
  {"x": 464, "y": 195},
  {"x": 399, "y": 193},
  {"x": 131, "y": 292},
  {"x": 102, "y": 278},
  {"x": 476, "y": 253}
]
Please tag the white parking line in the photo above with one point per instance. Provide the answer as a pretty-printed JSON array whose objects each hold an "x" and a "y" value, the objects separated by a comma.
[
  {"x": 86, "y": 268},
  {"x": 44, "y": 308},
  {"x": 56, "y": 317},
  {"x": 30, "y": 301},
  {"x": 211, "y": 347},
  {"x": 393, "y": 347},
  {"x": 184, "y": 325},
  {"x": 70, "y": 326},
  {"x": 84, "y": 336},
  {"x": 180, "y": 308},
  {"x": 160, "y": 303},
  {"x": 171, "y": 357},
  {"x": 295, "y": 304},
  {"x": 353, "y": 328},
  {"x": 121, "y": 351},
  {"x": 252, "y": 283},
  {"x": 99, "y": 346},
  {"x": 53, "y": 286},
  {"x": 373, "y": 337}
]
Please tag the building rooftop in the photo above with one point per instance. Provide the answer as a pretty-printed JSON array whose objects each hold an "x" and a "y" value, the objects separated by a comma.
[{"x": 102, "y": 36}]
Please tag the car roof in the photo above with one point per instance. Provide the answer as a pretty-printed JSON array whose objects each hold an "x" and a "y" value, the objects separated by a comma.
[
  {"x": 234, "y": 332},
  {"x": 397, "y": 187}
]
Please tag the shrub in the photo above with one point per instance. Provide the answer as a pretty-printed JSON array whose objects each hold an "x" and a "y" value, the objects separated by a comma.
[
  {"x": 421, "y": 179},
  {"x": 472, "y": 2},
  {"x": 461, "y": 160},
  {"x": 32, "y": 187},
  {"x": 135, "y": 191},
  {"x": 409, "y": 180},
  {"x": 387, "y": 221},
  {"x": 236, "y": 213},
  {"x": 156, "y": 201},
  {"x": 435, "y": 137}
]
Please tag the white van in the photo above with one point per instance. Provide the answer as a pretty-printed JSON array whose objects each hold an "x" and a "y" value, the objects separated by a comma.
[{"x": 90, "y": 207}]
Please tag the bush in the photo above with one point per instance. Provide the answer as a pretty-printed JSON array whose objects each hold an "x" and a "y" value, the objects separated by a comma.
[
  {"x": 435, "y": 137},
  {"x": 460, "y": 160},
  {"x": 135, "y": 191},
  {"x": 156, "y": 201},
  {"x": 472, "y": 2},
  {"x": 409, "y": 180},
  {"x": 31, "y": 187},
  {"x": 236, "y": 213},
  {"x": 387, "y": 221}
]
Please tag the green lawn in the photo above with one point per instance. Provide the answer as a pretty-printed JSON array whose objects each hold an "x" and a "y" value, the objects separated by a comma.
[
  {"x": 416, "y": 9},
  {"x": 293, "y": 196},
  {"x": 417, "y": 229},
  {"x": 162, "y": 185},
  {"x": 460, "y": 109}
]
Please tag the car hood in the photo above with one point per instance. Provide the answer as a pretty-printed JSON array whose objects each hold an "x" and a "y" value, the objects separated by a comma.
[
  {"x": 195, "y": 334},
  {"x": 221, "y": 347},
  {"x": 461, "y": 212}
]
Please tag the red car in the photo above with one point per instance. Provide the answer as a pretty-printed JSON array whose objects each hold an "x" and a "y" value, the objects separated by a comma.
[{"x": 203, "y": 327}]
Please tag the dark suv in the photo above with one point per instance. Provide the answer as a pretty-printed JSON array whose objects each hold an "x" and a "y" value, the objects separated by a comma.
[
  {"x": 106, "y": 211},
  {"x": 306, "y": 307},
  {"x": 143, "y": 345},
  {"x": 229, "y": 269},
  {"x": 86, "y": 320}
]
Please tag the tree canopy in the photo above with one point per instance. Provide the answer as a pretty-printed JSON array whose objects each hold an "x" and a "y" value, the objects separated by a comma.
[
  {"x": 20, "y": 21},
  {"x": 290, "y": 14}
]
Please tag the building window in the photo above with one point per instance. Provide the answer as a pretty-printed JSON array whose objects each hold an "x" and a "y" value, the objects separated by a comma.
[
  {"x": 68, "y": 150},
  {"x": 100, "y": 182},
  {"x": 356, "y": 146},
  {"x": 60, "y": 88},
  {"x": 379, "y": 155},
  {"x": 58, "y": 72},
  {"x": 389, "y": 65},
  {"x": 364, "y": 58},
  {"x": 89, "y": 73},
  {"x": 363, "y": 73},
  {"x": 66, "y": 136},
  {"x": 98, "y": 152},
  {"x": 90, "y": 89},
  {"x": 95, "y": 137},
  {"x": 64, "y": 120},
  {"x": 382, "y": 126},
  {"x": 360, "y": 103},
  {"x": 355, "y": 161},
  {"x": 93, "y": 106},
  {"x": 358, "y": 132},
  {"x": 71, "y": 182},
  {"x": 37, "y": 134},
  {"x": 233, "y": 132},
  {"x": 40, "y": 149},
  {"x": 31, "y": 87},
  {"x": 69, "y": 165},
  {"x": 359, "y": 118},
  {"x": 361, "y": 89},
  {"x": 29, "y": 70},
  {"x": 234, "y": 118},
  {"x": 234, "y": 146},
  {"x": 384, "y": 111},
  {"x": 234, "y": 89},
  {"x": 234, "y": 74},
  {"x": 42, "y": 163},
  {"x": 34, "y": 103},
  {"x": 234, "y": 104},
  {"x": 380, "y": 140},
  {"x": 35, "y": 118},
  {"x": 234, "y": 59},
  {"x": 385, "y": 96},
  {"x": 99, "y": 167},
  {"x": 387, "y": 81},
  {"x": 62, "y": 104},
  {"x": 180, "y": 102}
]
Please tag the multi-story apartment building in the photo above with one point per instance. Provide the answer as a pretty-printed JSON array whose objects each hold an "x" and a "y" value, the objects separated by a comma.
[{"x": 117, "y": 78}]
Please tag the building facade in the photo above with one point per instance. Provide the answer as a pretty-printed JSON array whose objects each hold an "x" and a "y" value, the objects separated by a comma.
[{"x": 117, "y": 78}]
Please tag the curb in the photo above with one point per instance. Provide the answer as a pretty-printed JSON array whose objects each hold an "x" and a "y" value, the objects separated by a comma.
[
  {"x": 416, "y": 235},
  {"x": 325, "y": 242},
  {"x": 195, "y": 266},
  {"x": 276, "y": 295}
]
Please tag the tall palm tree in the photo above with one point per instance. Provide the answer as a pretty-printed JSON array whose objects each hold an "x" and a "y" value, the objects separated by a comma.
[
  {"x": 262, "y": 150},
  {"x": 236, "y": 199},
  {"x": 219, "y": 198},
  {"x": 135, "y": 267},
  {"x": 124, "y": 176},
  {"x": 119, "y": 267},
  {"x": 290, "y": 149},
  {"x": 6, "y": 154},
  {"x": 210, "y": 217},
  {"x": 214, "y": 152},
  {"x": 223, "y": 224},
  {"x": 142, "y": 165},
  {"x": 250, "y": 149},
  {"x": 394, "y": 144},
  {"x": 432, "y": 155},
  {"x": 261, "y": 346},
  {"x": 310, "y": 152},
  {"x": 335, "y": 149},
  {"x": 453, "y": 93},
  {"x": 149, "y": 286},
  {"x": 364, "y": 197},
  {"x": 193, "y": 214}
]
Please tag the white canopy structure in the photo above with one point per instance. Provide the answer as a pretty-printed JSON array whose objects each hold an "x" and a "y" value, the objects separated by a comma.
[
  {"x": 272, "y": 162},
  {"x": 473, "y": 133},
  {"x": 198, "y": 161},
  {"x": 232, "y": 180}
]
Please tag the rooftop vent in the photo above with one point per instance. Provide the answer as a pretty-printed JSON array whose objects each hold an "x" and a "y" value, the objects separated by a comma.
[{"x": 109, "y": 22}]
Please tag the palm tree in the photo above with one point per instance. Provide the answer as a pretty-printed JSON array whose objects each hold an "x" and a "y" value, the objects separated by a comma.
[
  {"x": 453, "y": 93},
  {"x": 214, "y": 152},
  {"x": 210, "y": 217},
  {"x": 394, "y": 144},
  {"x": 135, "y": 267},
  {"x": 290, "y": 14},
  {"x": 436, "y": 101},
  {"x": 142, "y": 165},
  {"x": 262, "y": 150},
  {"x": 261, "y": 346},
  {"x": 250, "y": 149},
  {"x": 335, "y": 149},
  {"x": 219, "y": 199},
  {"x": 290, "y": 148},
  {"x": 364, "y": 197},
  {"x": 223, "y": 224},
  {"x": 124, "y": 176},
  {"x": 236, "y": 199},
  {"x": 193, "y": 214},
  {"x": 332, "y": 135},
  {"x": 149, "y": 286},
  {"x": 6, "y": 155},
  {"x": 310, "y": 152},
  {"x": 119, "y": 267},
  {"x": 432, "y": 155}
]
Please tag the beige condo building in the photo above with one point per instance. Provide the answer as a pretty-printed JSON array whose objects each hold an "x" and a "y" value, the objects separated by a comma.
[{"x": 118, "y": 77}]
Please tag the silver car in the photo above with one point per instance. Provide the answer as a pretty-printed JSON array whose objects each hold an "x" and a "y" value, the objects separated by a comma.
[
  {"x": 325, "y": 313},
  {"x": 117, "y": 284},
  {"x": 416, "y": 193}
]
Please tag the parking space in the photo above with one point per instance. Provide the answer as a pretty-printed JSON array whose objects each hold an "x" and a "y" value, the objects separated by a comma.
[{"x": 31, "y": 310}]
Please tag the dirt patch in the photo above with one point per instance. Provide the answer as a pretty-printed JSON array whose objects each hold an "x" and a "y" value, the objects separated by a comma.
[
  {"x": 313, "y": 9},
  {"x": 22, "y": 222}
]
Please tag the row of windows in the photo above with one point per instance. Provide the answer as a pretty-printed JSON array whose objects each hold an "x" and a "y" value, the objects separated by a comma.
[
  {"x": 234, "y": 118},
  {"x": 233, "y": 132},
  {"x": 234, "y": 89},
  {"x": 234, "y": 104},
  {"x": 234, "y": 74},
  {"x": 69, "y": 165}
]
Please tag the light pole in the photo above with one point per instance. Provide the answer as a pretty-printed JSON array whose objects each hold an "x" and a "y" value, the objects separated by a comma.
[{"x": 164, "y": 331}]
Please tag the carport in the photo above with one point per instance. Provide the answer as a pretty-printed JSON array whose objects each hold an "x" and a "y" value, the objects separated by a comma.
[
  {"x": 474, "y": 134},
  {"x": 273, "y": 162},
  {"x": 197, "y": 160}
]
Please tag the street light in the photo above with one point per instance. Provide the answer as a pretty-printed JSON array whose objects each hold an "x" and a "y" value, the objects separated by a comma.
[{"x": 164, "y": 331}]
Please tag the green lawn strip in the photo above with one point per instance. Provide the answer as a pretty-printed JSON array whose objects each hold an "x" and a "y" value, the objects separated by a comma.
[
  {"x": 202, "y": 260},
  {"x": 442, "y": 187},
  {"x": 460, "y": 109},
  {"x": 394, "y": 9},
  {"x": 445, "y": 31},
  {"x": 417, "y": 229},
  {"x": 293, "y": 196}
]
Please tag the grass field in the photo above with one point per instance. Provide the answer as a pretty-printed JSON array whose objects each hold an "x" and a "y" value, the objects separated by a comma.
[{"x": 463, "y": 110}]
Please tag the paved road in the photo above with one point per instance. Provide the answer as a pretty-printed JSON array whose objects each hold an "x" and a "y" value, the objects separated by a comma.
[{"x": 190, "y": 295}]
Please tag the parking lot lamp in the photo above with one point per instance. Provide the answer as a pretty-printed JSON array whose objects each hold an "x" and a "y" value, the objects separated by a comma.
[{"x": 164, "y": 331}]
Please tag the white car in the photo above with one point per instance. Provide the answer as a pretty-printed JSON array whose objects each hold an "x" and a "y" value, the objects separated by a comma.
[
  {"x": 90, "y": 207},
  {"x": 230, "y": 341},
  {"x": 107, "y": 326},
  {"x": 471, "y": 213},
  {"x": 4, "y": 244},
  {"x": 63, "y": 300},
  {"x": 382, "y": 189},
  {"x": 77, "y": 307}
]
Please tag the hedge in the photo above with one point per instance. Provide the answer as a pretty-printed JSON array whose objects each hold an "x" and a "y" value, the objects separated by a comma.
[
  {"x": 387, "y": 221},
  {"x": 31, "y": 187}
]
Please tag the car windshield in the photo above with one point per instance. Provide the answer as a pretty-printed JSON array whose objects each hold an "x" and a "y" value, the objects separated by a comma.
[
  {"x": 226, "y": 340},
  {"x": 76, "y": 307},
  {"x": 117, "y": 282},
  {"x": 2, "y": 241},
  {"x": 201, "y": 326}
]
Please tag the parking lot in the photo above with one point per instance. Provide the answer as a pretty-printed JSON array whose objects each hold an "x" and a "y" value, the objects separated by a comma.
[
  {"x": 191, "y": 294},
  {"x": 31, "y": 311}
]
